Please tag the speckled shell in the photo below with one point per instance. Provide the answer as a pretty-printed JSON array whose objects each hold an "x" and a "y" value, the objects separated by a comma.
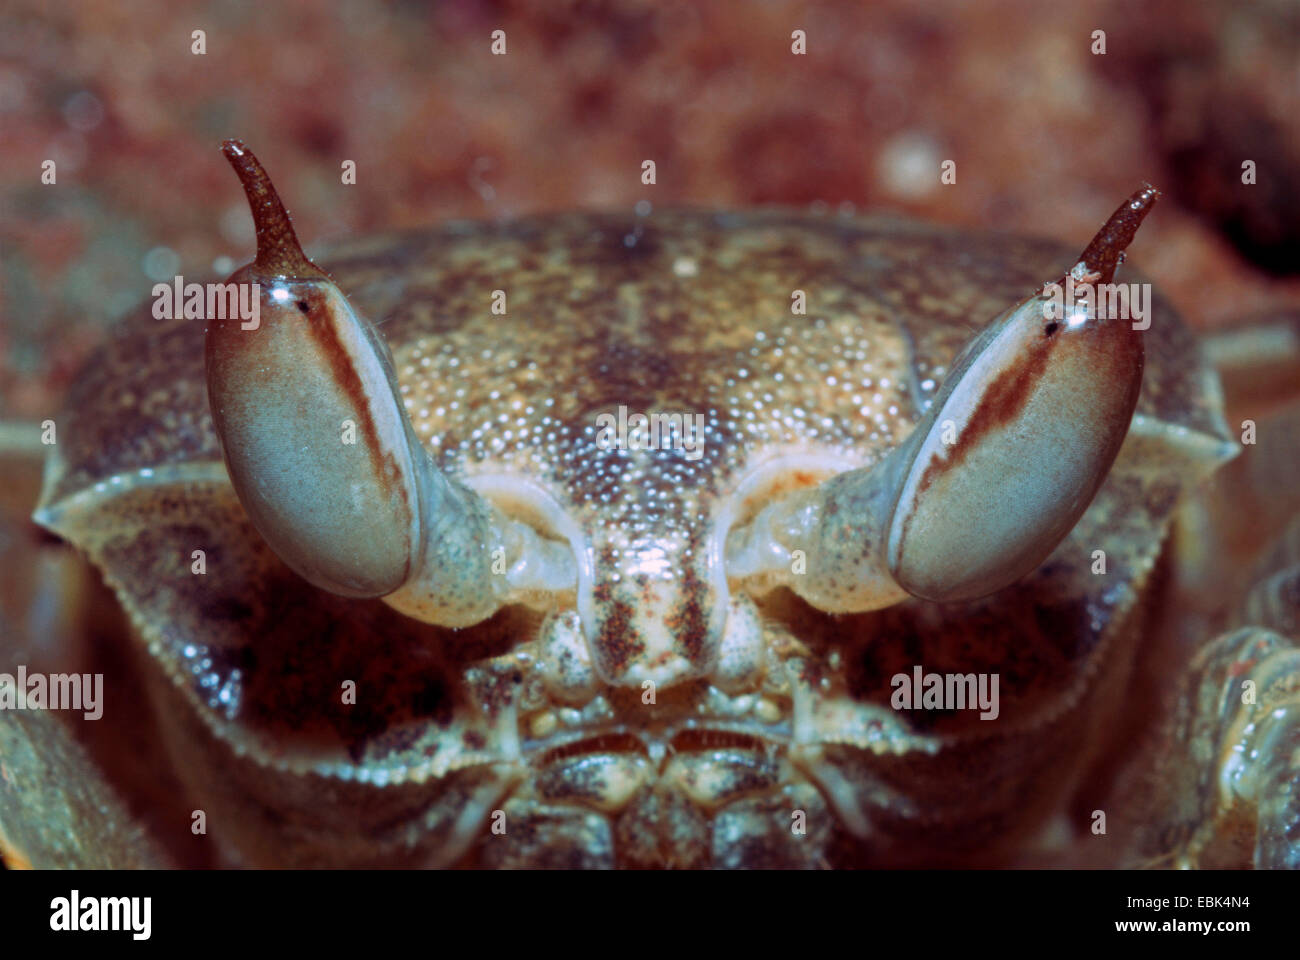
[{"x": 678, "y": 311}]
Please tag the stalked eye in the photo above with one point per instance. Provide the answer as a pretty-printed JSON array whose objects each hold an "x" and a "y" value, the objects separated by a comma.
[
  {"x": 1020, "y": 438},
  {"x": 324, "y": 459},
  {"x": 997, "y": 472},
  {"x": 306, "y": 405}
]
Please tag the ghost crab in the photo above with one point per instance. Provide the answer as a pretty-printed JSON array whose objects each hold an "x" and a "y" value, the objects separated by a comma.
[{"x": 478, "y": 636}]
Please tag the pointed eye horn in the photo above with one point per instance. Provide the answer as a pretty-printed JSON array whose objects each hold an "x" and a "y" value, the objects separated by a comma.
[
  {"x": 306, "y": 405},
  {"x": 1020, "y": 438}
]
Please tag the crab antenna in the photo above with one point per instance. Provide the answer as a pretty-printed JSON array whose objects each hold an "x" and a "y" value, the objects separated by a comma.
[
  {"x": 278, "y": 251},
  {"x": 1105, "y": 251}
]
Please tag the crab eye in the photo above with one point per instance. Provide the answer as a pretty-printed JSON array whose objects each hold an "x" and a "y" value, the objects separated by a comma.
[
  {"x": 324, "y": 459},
  {"x": 306, "y": 406},
  {"x": 1022, "y": 440},
  {"x": 997, "y": 472},
  {"x": 1026, "y": 429}
]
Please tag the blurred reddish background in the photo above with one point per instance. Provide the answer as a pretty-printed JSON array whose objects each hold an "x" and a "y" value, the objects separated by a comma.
[{"x": 1047, "y": 136}]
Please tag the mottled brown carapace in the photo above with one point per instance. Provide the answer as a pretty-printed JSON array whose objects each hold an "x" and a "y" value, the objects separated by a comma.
[{"x": 677, "y": 312}]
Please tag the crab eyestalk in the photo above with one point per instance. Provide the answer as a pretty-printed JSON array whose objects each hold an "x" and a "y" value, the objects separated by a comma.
[
  {"x": 306, "y": 408},
  {"x": 1005, "y": 461},
  {"x": 318, "y": 446},
  {"x": 1038, "y": 410}
]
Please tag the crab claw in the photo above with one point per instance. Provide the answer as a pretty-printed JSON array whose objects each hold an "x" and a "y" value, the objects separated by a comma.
[{"x": 1005, "y": 461}]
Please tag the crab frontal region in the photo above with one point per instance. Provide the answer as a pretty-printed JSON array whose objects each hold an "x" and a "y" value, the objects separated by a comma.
[
  {"x": 653, "y": 624},
  {"x": 654, "y": 612},
  {"x": 652, "y": 598}
]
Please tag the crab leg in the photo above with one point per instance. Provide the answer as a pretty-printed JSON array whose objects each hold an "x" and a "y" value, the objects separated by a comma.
[{"x": 1241, "y": 707}]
